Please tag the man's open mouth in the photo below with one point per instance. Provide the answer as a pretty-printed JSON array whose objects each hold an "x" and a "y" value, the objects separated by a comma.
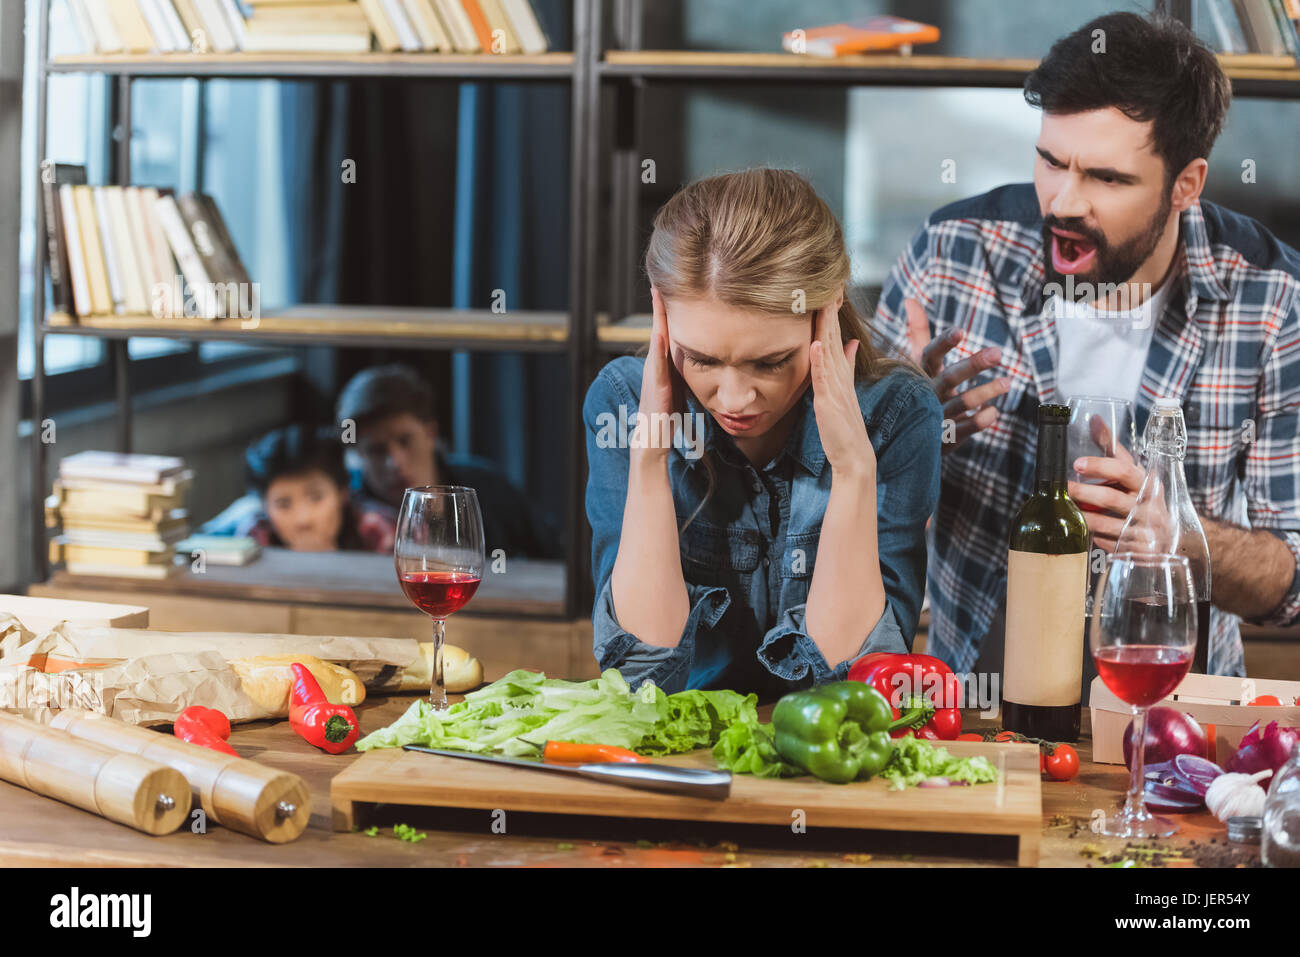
[{"x": 1072, "y": 252}]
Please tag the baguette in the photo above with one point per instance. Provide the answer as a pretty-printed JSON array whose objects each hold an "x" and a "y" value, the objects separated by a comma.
[
  {"x": 268, "y": 680},
  {"x": 460, "y": 670}
]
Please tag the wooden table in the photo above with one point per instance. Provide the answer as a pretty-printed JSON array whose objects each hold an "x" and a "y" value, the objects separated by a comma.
[{"x": 35, "y": 830}]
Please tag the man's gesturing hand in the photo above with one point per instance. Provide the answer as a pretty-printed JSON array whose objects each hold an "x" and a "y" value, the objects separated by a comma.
[{"x": 970, "y": 410}]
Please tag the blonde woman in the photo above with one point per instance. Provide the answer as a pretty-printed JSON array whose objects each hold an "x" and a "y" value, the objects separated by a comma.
[{"x": 760, "y": 482}]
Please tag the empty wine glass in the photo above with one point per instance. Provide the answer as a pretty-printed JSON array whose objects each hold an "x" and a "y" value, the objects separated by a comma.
[
  {"x": 1142, "y": 637},
  {"x": 439, "y": 557},
  {"x": 1102, "y": 427}
]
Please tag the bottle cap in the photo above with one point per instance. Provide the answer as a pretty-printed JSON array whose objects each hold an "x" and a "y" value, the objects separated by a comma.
[
  {"x": 1245, "y": 830},
  {"x": 1167, "y": 403}
]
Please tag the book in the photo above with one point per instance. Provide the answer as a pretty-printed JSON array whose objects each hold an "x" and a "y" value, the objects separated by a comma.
[
  {"x": 207, "y": 242},
  {"x": 131, "y": 25},
  {"x": 95, "y": 496},
  {"x": 161, "y": 30},
  {"x": 101, "y": 299},
  {"x": 108, "y": 242},
  {"x": 53, "y": 176},
  {"x": 132, "y": 541},
  {"x": 182, "y": 247},
  {"x": 220, "y": 549},
  {"x": 102, "y": 570},
  {"x": 385, "y": 33},
  {"x": 224, "y": 240},
  {"x": 500, "y": 27},
  {"x": 193, "y": 23},
  {"x": 62, "y": 550},
  {"x": 871, "y": 34},
  {"x": 459, "y": 26},
  {"x": 478, "y": 21},
  {"x": 406, "y": 34},
  {"x": 306, "y": 27},
  {"x": 1285, "y": 28},
  {"x": 107, "y": 38},
  {"x": 1260, "y": 28},
  {"x": 130, "y": 467},
  {"x": 85, "y": 26},
  {"x": 134, "y": 290},
  {"x": 427, "y": 23},
  {"x": 235, "y": 19},
  {"x": 180, "y": 37},
  {"x": 165, "y": 268},
  {"x": 81, "y": 299},
  {"x": 220, "y": 34},
  {"x": 142, "y": 247},
  {"x": 532, "y": 39}
]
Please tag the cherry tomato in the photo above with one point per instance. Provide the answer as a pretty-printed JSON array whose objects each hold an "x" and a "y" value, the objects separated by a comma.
[
  {"x": 1005, "y": 736},
  {"x": 1266, "y": 701},
  {"x": 1062, "y": 764},
  {"x": 970, "y": 736},
  {"x": 946, "y": 723}
]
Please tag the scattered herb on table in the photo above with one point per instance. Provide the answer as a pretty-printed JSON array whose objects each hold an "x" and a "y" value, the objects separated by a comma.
[
  {"x": 404, "y": 832},
  {"x": 370, "y": 831}
]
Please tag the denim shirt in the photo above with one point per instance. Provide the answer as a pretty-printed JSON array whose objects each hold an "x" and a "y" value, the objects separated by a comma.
[{"x": 748, "y": 556}]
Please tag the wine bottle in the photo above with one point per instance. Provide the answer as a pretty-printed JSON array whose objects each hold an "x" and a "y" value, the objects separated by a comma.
[
  {"x": 1047, "y": 577},
  {"x": 1163, "y": 517}
]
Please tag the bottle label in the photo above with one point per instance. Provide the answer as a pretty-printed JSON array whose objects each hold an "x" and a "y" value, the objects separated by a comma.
[{"x": 1043, "y": 657}]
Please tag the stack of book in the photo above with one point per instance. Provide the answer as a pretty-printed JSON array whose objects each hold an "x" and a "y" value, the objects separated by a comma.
[
  {"x": 119, "y": 514},
  {"x": 307, "y": 26},
  {"x": 115, "y": 249}
]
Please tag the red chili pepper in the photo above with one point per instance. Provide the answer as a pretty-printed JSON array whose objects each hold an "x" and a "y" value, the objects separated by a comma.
[
  {"x": 332, "y": 727},
  {"x": 204, "y": 726},
  {"x": 928, "y": 690}
]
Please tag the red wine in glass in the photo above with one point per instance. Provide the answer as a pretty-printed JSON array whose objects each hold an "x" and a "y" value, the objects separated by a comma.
[
  {"x": 438, "y": 553},
  {"x": 1142, "y": 674},
  {"x": 439, "y": 594}
]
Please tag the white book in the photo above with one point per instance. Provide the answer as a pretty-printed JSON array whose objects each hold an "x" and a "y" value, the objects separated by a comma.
[
  {"x": 164, "y": 261},
  {"x": 136, "y": 541},
  {"x": 182, "y": 247},
  {"x": 406, "y": 34},
  {"x": 162, "y": 35},
  {"x": 76, "y": 258},
  {"x": 131, "y": 467},
  {"x": 180, "y": 36},
  {"x": 529, "y": 31},
  {"x": 129, "y": 269},
  {"x": 142, "y": 243},
  {"x": 110, "y": 41},
  {"x": 118, "y": 571},
  {"x": 80, "y": 16},
  {"x": 111, "y": 262},
  {"x": 235, "y": 18},
  {"x": 458, "y": 25},
  {"x": 426, "y": 23},
  {"x": 221, "y": 39}
]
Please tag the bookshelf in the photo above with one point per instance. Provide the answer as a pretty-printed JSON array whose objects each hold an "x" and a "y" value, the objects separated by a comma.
[{"x": 594, "y": 73}]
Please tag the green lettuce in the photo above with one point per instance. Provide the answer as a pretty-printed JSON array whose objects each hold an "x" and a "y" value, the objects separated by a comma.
[{"x": 915, "y": 759}]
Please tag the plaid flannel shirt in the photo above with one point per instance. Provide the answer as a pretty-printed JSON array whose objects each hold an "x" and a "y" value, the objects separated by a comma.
[{"x": 1227, "y": 347}]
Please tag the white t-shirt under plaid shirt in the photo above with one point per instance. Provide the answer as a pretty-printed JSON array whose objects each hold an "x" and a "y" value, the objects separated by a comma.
[{"x": 1227, "y": 346}]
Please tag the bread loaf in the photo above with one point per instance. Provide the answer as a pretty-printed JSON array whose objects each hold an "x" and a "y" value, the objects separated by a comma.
[
  {"x": 460, "y": 670},
  {"x": 268, "y": 680}
]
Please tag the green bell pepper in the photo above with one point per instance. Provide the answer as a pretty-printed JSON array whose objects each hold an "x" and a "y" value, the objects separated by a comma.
[{"x": 838, "y": 732}]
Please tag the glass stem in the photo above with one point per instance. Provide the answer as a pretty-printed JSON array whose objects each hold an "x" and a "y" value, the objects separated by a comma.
[
  {"x": 438, "y": 690},
  {"x": 1133, "y": 804}
]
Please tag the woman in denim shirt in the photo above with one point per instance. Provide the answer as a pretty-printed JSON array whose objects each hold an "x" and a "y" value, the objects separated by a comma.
[{"x": 760, "y": 483}]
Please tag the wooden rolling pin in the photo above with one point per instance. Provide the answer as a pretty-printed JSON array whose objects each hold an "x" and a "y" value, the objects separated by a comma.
[
  {"x": 235, "y": 792},
  {"x": 127, "y": 788}
]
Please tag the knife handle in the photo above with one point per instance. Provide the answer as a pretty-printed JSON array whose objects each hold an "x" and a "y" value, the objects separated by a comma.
[{"x": 693, "y": 782}]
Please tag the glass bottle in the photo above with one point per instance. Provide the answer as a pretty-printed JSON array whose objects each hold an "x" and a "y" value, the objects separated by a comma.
[
  {"x": 1164, "y": 520},
  {"x": 1280, "y": 836}
]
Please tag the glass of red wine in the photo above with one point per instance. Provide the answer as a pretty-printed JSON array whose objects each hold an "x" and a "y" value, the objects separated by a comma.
[
  {"x": 1142, "y": 637},
  {"x": 439, "y": 557}
]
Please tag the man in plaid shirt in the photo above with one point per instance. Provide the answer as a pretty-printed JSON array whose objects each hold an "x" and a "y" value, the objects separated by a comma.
[{"x": 1119, "y": 169}]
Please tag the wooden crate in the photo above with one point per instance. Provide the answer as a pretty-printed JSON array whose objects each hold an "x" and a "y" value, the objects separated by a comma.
[{"x": 1218, "y": 702}]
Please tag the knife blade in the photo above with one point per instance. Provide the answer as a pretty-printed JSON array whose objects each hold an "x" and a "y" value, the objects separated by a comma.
[{"x": 692, "y": 782}]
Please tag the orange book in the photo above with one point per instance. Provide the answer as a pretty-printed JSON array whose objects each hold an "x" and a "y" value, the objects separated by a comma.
[
  {"x": 479, "y": 21},
  {"x": 872, "y": 34}
]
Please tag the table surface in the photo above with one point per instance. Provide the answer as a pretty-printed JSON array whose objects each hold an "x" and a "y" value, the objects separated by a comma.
[
  {"x": 35, "y": 830},
  {"x": 529, "y": 587}
]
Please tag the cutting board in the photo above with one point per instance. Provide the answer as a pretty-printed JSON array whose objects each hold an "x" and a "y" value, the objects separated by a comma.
[{"x": 1012, "y": 806}]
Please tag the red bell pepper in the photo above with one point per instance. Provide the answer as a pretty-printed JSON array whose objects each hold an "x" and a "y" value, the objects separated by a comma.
[
  {"x": 204, "y": 726},
  {"x": 922, "y": 690},
  {"x": 331, "y": 727}
]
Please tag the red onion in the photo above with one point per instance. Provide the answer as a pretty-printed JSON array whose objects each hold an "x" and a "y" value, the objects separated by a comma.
[
  {"x": 1270, "y": 749},
  {"x": 1170, "y": 732}
]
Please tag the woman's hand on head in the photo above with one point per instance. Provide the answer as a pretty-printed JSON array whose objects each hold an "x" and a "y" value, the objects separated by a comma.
[
  {"x": 661, "y": 389},
  {"x": 835, "y": 397}
]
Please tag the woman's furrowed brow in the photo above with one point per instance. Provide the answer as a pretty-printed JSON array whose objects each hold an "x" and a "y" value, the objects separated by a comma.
[{"x": 768, "y": 357}]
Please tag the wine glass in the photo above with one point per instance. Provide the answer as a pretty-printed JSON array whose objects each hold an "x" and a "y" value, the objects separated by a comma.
[
  {"x": 439, "y": 557},
  {"x": 1100, "y": 427},
  {"x": 1143, "y": 636}
]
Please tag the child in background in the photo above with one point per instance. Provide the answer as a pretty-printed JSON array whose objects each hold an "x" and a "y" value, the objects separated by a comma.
[{"x": 299, "y": 473}]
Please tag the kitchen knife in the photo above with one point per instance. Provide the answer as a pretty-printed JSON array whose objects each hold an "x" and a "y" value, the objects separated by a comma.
[{"x": 692, "y": 782}]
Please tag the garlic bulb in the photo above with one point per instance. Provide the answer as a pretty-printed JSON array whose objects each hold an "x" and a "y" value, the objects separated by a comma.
[{"x": 1236, "y": 795}]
